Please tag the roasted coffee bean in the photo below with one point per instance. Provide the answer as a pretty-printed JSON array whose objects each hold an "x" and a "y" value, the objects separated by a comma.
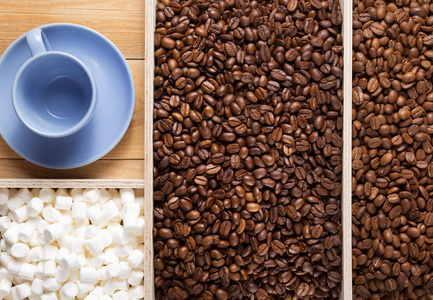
[
  {"x": 392, "y": 53},
  {"x": 248, "y": 107},
  {"x": 278, "y": 247}
]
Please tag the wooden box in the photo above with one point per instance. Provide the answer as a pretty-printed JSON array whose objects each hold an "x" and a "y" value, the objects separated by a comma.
[
  {"x": 346, "y": 7},
  {"x": 130, "y": 164},
  {"x": 123, "y": 23}
]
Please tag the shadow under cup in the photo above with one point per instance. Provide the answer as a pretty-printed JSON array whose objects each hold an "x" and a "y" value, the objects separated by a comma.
[{"x": 54, "y": 94}]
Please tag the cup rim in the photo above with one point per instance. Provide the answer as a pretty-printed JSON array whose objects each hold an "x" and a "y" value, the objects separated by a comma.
[{"x": 83, "y": 121}]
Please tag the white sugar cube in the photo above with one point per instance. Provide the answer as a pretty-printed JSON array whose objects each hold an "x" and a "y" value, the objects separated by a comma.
[
  {"x": 25, "y": 195},
  {"x": 136, "y": 292},
  {"x": 20, "y": 214},
  {"x": 91, "y": 195},
  {"x": 84, "y": 287},
  {"x": 20, "y": 250},
  {"x": 47, "y": 195},
  {"x": 35, "y": 207},
  {"x": 98, "y": 260},
  {"x": 125, "y": 270},
  {"x": 77, "y": 194},
  {"x": 63, "y": 202},
  {"x": 112, "y": 271},
  {"x": 127, "y": 195},
  {"x": 5, "y": 287},
  {"x": 23, "y": 290},
  {"x": 50, "y": 284},
  {"x": 110, "y": 256},
  {"x": 62, "y": 274},
  {"x": 50, "y": 214},
  {"x": 69, "y": 290},
  {"x": 54, "y": 232},
  {"x": 135, "y": 258},
  {"x": 14, "y": 202},
  {"x": 14, "y": 267},
  {"x": 136, "y": 277},
  {"x": 49, "y": 269},
  {"x": 79, "y": 210},
  {"x": 49, "y": 296},
  {"x": 26, "y": 233},
  {"x": 50, "y": 252},
  {"x": 36, "y": 253},
  {"x": 110, "y": 210},
  {"x": 131, "y": 208},
  {"x": 95, "y": 214},
  {"x": 120, "y": 295},
  {"x": 37, "y": 286},
  {"x": 91, "y": 231},
  {"x": 98, "y": 243},
  {"x": 87, "y": 274},
  {"x": 4, "y": 196}
]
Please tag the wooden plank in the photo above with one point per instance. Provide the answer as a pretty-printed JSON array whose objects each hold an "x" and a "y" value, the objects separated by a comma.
[
  {"x": 54, "y": 6},
  {"x": 149, "y": 287},
  {"x": 101, "y": 169},
  {"x": 131, "y": 145},
  {"x": 71, "y": 183},
  {"x": 124, "y": 29},
  {"x": 346, "y": 201}
]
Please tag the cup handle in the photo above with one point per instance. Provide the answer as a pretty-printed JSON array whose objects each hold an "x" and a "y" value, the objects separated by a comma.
[{"x": 37, "y": 41}]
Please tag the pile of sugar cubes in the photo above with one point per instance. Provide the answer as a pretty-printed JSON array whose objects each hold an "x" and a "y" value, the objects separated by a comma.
[{"x": 71, "y": 244}]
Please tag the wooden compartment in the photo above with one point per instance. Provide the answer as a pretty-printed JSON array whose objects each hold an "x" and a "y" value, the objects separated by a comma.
[
  {"x": 123, "y": 23},
  {"x": 346, "y": 7}
]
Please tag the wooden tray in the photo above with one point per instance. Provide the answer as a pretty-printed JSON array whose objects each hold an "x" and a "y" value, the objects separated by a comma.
[
  {"x": 149, "y": 287},
  {"x": 123, "y": 23}
]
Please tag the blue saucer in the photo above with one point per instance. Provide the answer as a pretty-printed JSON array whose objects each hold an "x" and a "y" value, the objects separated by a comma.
[{"x": 114, "y": 105}]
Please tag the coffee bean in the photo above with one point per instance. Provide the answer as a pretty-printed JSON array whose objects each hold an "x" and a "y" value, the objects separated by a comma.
[
  {"x": 357, "y": 95},
  {"x": 262, "y": 249},
  {"x": 302, "y": 289},
  {"x": 389, "y": 184},
  {"x": 247, "y": 147},
  {"x": 428, "y": 40},
  {"x": 261, "y": 294},
  {"x": 278, "y": 247},
  {"x": 253, "y": 207}
]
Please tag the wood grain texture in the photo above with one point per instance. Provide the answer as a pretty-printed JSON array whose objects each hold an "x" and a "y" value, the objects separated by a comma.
[
  {"x": 101, "y": 169},
  {"x": 122, "y": 21},
  {"x": 54, "y": 6},
  {"x": 71, "y": 183},
  {"x": 346, "y": 201},
  {"x": 131, "y": 145},
  {"x": 149, "y": 287},
  {"x": 124, "y": 28}
]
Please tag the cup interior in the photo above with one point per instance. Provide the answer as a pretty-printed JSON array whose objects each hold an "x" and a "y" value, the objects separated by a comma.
[{"x": 54, "y": 94}]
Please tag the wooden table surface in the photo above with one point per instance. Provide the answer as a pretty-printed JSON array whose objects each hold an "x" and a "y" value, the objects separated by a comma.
[{"x": 121, "y": 21}]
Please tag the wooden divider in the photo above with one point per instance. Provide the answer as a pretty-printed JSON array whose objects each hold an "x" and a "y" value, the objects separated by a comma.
[
  {"x": 346, "y": 201},
  {"x": 149, "y": 65},
  {"x": 149, "y": 287}
]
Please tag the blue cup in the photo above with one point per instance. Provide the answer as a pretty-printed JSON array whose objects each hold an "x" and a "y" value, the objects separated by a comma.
[{"x": 53, "y": 94}]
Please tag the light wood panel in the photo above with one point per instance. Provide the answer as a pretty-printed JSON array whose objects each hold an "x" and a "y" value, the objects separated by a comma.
[
  {"x": 102, "y": 169},
  {"x": 149, "y": 287},
  {"x": 124, "y": 29},
  {"x": 72, "y": 183},
  {"x": 54, "y": 6},
  {"x": 346, "y": 201},
  {"x": 131, "y": 145},
  {"x": 121, "y": 21}
]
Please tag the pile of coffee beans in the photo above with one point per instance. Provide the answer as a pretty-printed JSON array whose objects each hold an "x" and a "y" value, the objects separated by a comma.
[
  {"x": 247, "y": 149},
  {"x": 392, "y": 149}
]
